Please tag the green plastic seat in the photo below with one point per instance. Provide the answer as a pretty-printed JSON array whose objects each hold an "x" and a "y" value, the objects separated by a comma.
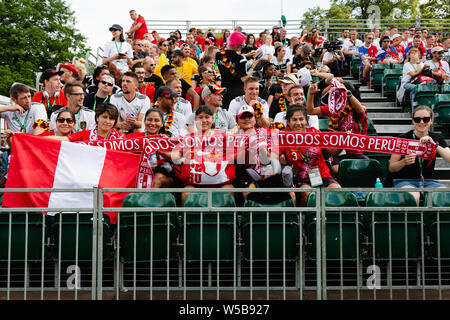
[
  {"x": 345, "y": 225},
  {"x": 323, "y": 124},
  {"x": 424, "y": 94},
  {"x": 254, "y": 229},
  {"x": 37, "y": 236},
  {"x": 209, "y": 224},
  {"x": 445, "y": 88},
  {"x": 383, "y": 159},
  {"x": 359, "y": 173},
  {"x": 377, "y": 73},
  {"x": 163, "y": 225},
  {"x": 439, "y": 229},
  {"x": 67, "y": 222},
  {"x": 371, "y": 130},
  {"x": 398, "y": 66},
  {"x": 355, "y": 65},
  {"x": 442, "y": 107},
  {"x": 391, "y": 79},
  {"x": 379, "y": 226}
]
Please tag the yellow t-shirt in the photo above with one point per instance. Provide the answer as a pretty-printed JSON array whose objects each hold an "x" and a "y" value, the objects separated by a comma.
[
  {"x": 162, "y": 62},
  {"x": 186, "y": 71},
  {"x": 192, "y": 61}
]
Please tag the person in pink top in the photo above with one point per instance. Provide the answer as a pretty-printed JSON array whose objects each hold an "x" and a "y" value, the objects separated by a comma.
[{"x": 138, "y": 28}]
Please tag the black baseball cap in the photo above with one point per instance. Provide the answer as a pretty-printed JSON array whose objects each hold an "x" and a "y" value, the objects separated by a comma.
[
  {"x": 48, "y": 73},
  {"x": 116, "y": 27},
  {"x": 178, "y": 52},
  {"x": 165, "y": 92}
]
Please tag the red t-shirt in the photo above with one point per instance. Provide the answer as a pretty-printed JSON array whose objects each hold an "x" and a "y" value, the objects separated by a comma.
[
  {"x": 139, "y": 33},
  {"x": 149, "y": 91},
  {"x": 39, "y": 97},
  {"x": 85, "y": 135},
  {"x": 301, "y": 156}
]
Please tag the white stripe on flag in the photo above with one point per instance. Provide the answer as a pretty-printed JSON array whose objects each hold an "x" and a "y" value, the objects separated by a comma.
[{"x": 79, "y": 166}]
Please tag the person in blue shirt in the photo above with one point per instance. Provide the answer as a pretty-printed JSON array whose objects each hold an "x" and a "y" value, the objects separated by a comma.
[{"x": 387, "y": 53}]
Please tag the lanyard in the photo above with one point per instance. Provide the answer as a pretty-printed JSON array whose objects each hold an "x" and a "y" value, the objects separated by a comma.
[
  {"x": 119, "y": 50},
  {"x": 181, "y": 74},
  {"x": 95, "y": 100},
  {"x": 23, "y": 125},
  {"x": 177, "y": 108},
  {"x": 216, "y": 117},
  {"x": 54, "y": 101},
  {"x": 421, "y": 161},
  {"x": 77, "y": 117},
  {"x": 305, "y": 159}
]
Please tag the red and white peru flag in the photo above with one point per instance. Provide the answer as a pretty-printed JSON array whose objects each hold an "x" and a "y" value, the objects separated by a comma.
[{"x": 38, "y": 162}]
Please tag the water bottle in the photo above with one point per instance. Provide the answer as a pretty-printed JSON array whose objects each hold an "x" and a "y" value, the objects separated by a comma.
[{"x": 378, "y": 184}]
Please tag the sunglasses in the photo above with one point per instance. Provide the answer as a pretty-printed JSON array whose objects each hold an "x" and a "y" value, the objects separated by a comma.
[
  {"x": 68, "y": 120},
  {"x": 165, "y": 45},
  {"x": 106, "y": 83},
  {"x": 387, "y": 41},
  {"x": 418, "y": 119},
  {"x": 209, "y": 71},
  {"x": 369, "y": 38}
]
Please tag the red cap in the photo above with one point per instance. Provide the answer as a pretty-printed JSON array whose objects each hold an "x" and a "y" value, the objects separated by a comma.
[
  {"x": 70, "y": 67},
  {"x": 154, "y": 31}
]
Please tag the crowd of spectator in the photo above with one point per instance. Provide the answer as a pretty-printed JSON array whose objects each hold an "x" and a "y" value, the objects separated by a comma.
[{"x": 235, "y": 83}]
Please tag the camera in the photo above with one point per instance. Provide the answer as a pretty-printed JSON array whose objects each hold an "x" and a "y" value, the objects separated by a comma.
[{"x": 333, "y": 46}]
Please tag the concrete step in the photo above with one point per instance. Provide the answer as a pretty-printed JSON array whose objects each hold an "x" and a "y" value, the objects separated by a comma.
[
  {"x": 369, "y": 99},
  {"x": 392, "y": 130},
  {"x": 370, "y": 94},
  {"x": 391, "y": 121},
  {"x": 441, "y": 163},
  {"x": 396, "y": 115},
  {"x": 386, "y": 110}
]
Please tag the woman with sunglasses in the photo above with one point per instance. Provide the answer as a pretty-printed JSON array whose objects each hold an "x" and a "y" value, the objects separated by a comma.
[
  {"x": 106, "y": 116},
  {"x": 118, "y": 51},
  {"x": 410, "y": 171},
  {"x": 103, "y": 94},
  {"x": 206, "y": 77},
  {"x": 163, "y": 46},
  {"x": 206, "y": 61},
  {"x": 65, "y": 123}
]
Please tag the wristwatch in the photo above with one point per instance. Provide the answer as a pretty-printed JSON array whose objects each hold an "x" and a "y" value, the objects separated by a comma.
[{"x": 349, "y": 94}]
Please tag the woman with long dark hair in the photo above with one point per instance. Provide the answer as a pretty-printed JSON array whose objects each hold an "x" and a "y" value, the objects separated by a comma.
[{"x": 118, "y": 51}]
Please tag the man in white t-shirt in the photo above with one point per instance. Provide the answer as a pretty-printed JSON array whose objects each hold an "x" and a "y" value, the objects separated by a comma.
[
  {"x": 22, "y": 115},
  {"x": 251, "y": 96},
  {"x": 439, "y": 67},
  {"x": 296, "y": 96},
  {"x": 84, "y": 117},
  {"x": 174, "y": 124},
  {"x": 181, "y": 105},
  {"x": 132, "y": 105},
  {"x": 213, "y": 97},
  {"x": 351, "y": 46}
]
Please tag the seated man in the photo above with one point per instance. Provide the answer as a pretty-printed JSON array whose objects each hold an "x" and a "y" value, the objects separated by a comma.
[
  {"x": 24, "y": 115},
  {"x": 368, "y": 54},
  {"x": 439, "y": 67},
  {"x": 387, "y": 54}
]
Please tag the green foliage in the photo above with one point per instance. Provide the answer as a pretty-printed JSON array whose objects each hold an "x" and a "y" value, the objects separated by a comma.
[
  {"x": 389, "y": 9},
  {"x": 314, "y": 17},
  {"x": 35, "y": 35},
  {"x": 435, "y": 8}
]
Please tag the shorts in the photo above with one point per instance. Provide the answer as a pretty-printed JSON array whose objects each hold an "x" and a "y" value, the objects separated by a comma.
[
  {"x": 417, "y": 183},
  {"x": 338, "y": 159},
  {"x": 326, "y": 182}
]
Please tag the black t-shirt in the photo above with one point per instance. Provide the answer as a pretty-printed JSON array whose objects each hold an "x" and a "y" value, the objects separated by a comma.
[
  {"x": 154, "y": 81},
  {"x": 184, "y": 87},
  {"x": 248, "y": 49},
  {"x": 298, "y": 59},
  {"x": 138, "y": 56},
  {"x": 236, "y": 62},
  {"x": 91, "y": 99},
  {"x": 275, "y": 106},
  {"x": 413, "y": 171},
  {"x": 274, "y": 89}
]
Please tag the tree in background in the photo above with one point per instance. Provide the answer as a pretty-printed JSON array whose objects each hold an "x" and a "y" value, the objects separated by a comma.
[{"x": 35, "y": 35}]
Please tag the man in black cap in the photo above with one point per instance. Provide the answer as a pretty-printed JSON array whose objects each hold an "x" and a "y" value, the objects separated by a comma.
[
  {"x": 174, "y": 122},
  {"x": 52, "y": 97},
  {"x": 184, "y": 69}
]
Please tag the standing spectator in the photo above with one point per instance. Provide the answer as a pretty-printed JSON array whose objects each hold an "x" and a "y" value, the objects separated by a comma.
[
  {"x": 150, "y": 77},
  {"x": 102, "y": 95},
  {"x": 368, "y": 54},
  {"x": 387, "y": 54},
  {"x": 232, "y": 66},
  {"x": 142, "y": 87},
  {"x": 439, "y": 68},
  {"x": 411, "y": 69},
  {"x": 138, "y": 28},
  {"x": 52, "y": 95},
  {"x": 118, "y": 52},
  {"x": 85, "y": 118},
  {"x": 131, "y": 104},
  {"x": 23, "y": 115},
  {"x": 70, "y": 72}
]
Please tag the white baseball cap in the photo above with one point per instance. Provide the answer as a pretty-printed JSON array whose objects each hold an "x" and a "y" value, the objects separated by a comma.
[{"x": 245, "y": 109}]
